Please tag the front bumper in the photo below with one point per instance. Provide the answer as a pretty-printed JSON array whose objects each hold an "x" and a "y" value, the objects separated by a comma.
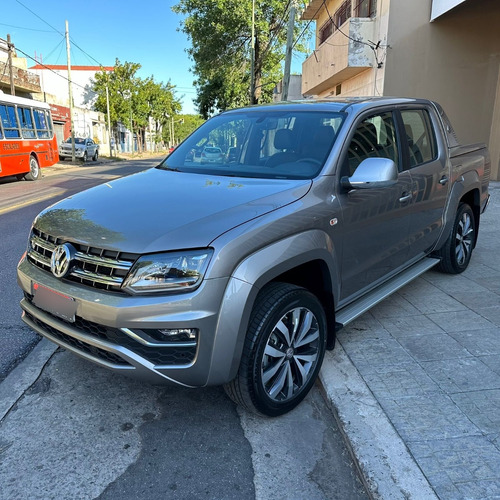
[
  {"x": 110, "y": 329},
  {"x": 67, "y": 153}
]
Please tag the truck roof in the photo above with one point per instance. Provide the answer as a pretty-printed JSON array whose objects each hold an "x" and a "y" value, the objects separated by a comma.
[{"x": 333, "y": 103}]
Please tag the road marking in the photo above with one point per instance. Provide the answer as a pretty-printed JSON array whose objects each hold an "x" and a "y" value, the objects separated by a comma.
[{"x": 31, "y": 201}]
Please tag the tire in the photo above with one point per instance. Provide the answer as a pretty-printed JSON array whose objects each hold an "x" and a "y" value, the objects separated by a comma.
[
  {"x": 277, "y": 367},
  {"x": 96, "y": 155},
  {"x": 34, "y": 174},
  {"x": 84, "y": 156},
  {"x": 457, "y": 251}
]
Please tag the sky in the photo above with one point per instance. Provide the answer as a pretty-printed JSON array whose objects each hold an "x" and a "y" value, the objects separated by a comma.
[{"x": 141, "y": 32}]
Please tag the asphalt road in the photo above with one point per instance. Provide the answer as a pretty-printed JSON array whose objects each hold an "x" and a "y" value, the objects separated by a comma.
[
  {"x": 81, "y": 432},
  {"x": 20, "y": 202}
]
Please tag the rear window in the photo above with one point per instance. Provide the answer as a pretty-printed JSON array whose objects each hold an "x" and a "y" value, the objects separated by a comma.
[{"x": 420, "y": 136}]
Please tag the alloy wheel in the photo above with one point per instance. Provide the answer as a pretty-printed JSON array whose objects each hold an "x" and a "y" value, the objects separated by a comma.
[
  {"x": 464, "y": 238},
  {"x": 291, "y": 354}
]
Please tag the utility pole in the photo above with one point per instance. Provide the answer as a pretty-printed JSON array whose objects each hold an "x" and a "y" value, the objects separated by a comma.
[
  {"x": 252, "y": 56},
  {"x": 10, "y": 47},
  {"x": 109, "y": 120},
  {"x": 70, "y": 90},
  {"x": 288, "y": 58}
]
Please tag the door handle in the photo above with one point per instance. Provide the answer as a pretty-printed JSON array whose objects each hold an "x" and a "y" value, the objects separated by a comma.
[
  {"x": 405, "y": 197},
  {"x": 443, "y": 180}
]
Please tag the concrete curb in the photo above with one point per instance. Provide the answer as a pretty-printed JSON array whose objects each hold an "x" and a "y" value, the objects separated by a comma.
[
  {"x": 24, "y": 375},
  {"x": 388, "y": 468}
]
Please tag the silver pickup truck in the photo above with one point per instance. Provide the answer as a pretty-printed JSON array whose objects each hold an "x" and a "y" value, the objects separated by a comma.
[{"x": 240, "y": 271}]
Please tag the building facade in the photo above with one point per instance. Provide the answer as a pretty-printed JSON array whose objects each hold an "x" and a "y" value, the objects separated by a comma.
[
  {"x": 24, "y": 81},
  {"x": 445, "y": 50},
  {"x": 54, "y": 90}
]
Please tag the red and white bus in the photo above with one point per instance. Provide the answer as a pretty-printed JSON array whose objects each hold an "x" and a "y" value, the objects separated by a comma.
[{"x": 27, "y": 140}]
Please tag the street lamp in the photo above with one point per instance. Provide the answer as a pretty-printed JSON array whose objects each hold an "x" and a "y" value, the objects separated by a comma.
[
  {"x": 128, "y": 96},
  {"x": 181, "y": 120}
]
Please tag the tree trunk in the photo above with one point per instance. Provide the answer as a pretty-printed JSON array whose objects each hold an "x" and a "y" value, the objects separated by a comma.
[{"x": 257, "y": 72}]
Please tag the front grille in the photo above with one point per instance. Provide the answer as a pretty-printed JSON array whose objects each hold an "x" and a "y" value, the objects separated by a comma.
[
  {"x": 78, "y": 344},
  {"x": 167, "y": 355},
  {"x": 95, "y": 267}
]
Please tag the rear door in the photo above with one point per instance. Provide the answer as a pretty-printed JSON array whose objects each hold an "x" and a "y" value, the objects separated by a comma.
[
  {"x": 376, "y": 222},
  {"x": 426, "y": 160}
]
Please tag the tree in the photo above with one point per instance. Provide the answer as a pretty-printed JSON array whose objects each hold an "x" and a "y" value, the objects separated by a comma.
[
  {"x": 184, "y": 125},
  {"x": 133, "y": 100},
  {"x": 220, "y": 33}
]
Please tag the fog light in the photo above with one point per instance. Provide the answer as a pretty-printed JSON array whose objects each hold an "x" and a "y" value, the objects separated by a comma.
[{"x": 175, "y": 333}]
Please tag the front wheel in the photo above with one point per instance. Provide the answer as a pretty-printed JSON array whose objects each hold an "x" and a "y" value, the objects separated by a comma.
[
  {"x": 34, "y": 173},
  {"x": 457, "y": 251},
  {"x": 84, "y": 157},
  {"x": 283, "y": 351}
]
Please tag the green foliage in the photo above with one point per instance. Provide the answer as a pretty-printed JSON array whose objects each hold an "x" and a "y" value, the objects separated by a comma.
[
  {"x": 220, "y": 34},
  {"x": 133, "y": 100},
  {"x": 185, "y": 125}
]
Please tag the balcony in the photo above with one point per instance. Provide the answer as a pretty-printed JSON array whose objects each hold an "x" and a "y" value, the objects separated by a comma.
[
  {"x": 339, "y": 58},
  {"x": 24, "y": 80}
]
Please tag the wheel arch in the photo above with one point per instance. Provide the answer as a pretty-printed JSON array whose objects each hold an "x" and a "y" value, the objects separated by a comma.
[
  {"x": 33, "y": 155},
  {"x": 473, "y": 199},
  {"x": 466, "y": 190},
  {"x": 307, "y": 260}
]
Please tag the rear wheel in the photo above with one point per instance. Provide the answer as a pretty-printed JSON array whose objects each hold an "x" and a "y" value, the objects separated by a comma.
[
  {"x": 96, "y": 155},
  {"x": 34, "y": 173},
  {"x": 283, "y": 351},
  {"x": 457, "y": 251}
]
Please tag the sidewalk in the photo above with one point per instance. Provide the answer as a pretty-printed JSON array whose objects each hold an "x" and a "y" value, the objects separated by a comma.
[
  {"x": 102, "y": 160},
  {"x": 415, "y": 382}
]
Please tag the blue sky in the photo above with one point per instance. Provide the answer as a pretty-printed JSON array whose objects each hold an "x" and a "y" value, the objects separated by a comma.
[{"x": 143, "y": 32}]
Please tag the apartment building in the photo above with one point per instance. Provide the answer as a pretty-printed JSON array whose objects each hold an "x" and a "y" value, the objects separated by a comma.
[{"x": 445, "y": 50}]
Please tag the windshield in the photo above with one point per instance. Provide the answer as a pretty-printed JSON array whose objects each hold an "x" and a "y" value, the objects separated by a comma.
[
  {"x": 261, "y": 144},
  {"x": 77, "y": 140}
]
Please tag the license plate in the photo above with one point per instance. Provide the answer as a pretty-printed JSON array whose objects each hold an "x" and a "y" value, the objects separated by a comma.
[{"x": 54, "y": 302}]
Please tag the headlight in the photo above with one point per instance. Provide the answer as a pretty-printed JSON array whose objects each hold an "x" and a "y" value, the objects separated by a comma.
[{"x": 168, "y": 271}]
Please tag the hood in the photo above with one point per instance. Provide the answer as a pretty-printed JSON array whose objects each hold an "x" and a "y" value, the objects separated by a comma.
[
  {"x": 66, "y": 145},
  {"x": 159, "y": 210}
]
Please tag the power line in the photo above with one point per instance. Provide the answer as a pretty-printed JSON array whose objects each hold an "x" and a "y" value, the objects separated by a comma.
[
  {"x": 55, "y": 72},
  {"x": 278, "y": 29},
  {"x": 41, "y": 19},
  {"x": 23, "y": 28},
  {"x": 57, "y": 31},
  {"x": 55, "y": 48},
  {"x": 307, "y": 26},
  {"x": 368, "y": 44}
]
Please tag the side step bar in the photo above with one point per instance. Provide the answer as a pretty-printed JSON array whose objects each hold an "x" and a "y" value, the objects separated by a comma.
[{"x": 366, "y": 302}]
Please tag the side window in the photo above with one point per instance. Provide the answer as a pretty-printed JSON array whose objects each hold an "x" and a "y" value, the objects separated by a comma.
[
  {"x": 42, "y": 126},
  {"x": 420, "y": 135},
  {"x": 26, "y": 122},
  {"x": 9, "y": 121},
  {"x": 375, "y": 137}
]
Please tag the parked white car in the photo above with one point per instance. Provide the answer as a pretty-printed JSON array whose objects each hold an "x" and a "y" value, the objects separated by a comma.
[{"x": 85, "y": 148}]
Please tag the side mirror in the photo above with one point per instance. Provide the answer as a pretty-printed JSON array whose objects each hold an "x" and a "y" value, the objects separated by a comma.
[{"x": 372, "y": 173}]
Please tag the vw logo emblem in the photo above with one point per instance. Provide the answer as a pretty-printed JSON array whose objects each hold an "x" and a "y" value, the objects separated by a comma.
[{"x": 61, "y": 260}]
